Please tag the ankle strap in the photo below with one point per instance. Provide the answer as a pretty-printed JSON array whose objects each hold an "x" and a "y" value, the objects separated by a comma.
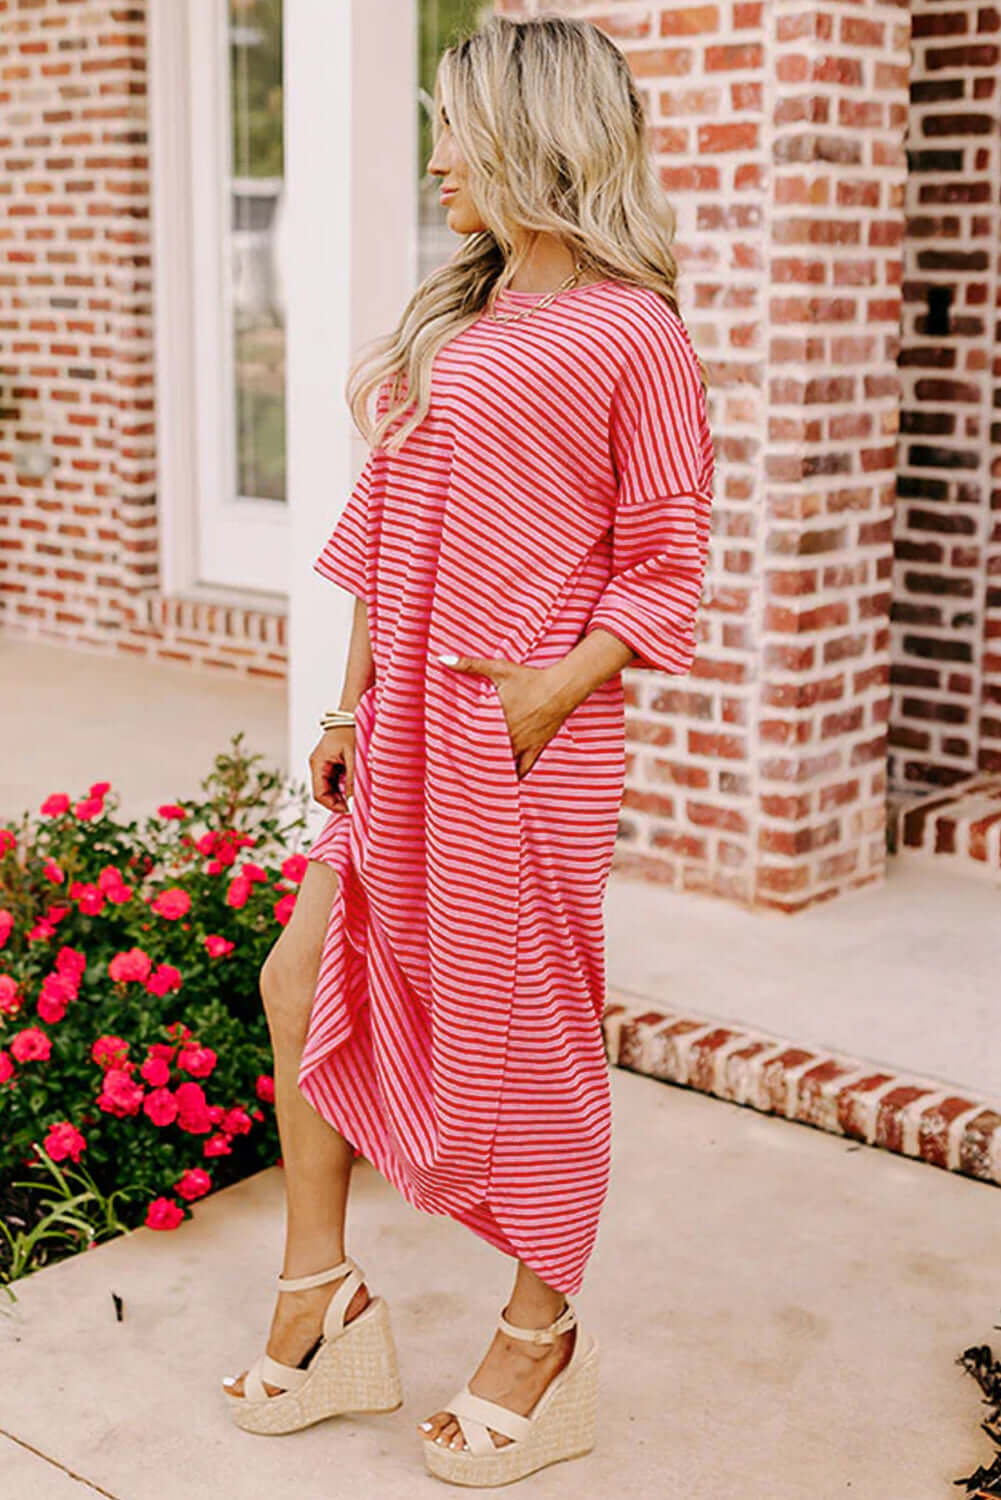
[
  {"x": 303, "y": 1283},
  {"x": 563, "y": 1323}
]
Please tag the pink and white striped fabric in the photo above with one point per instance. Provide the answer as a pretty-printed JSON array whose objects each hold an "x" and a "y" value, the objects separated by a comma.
[{"x": 561, "y": 481}]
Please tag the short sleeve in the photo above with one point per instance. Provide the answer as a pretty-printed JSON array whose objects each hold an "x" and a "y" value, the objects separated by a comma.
[
  {"x": 662, "y": 454},
  {"x": 344, "y": 555}
]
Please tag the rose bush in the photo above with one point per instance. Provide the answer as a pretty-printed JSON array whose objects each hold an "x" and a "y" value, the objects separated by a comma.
[{"x": 135, "y": 1061}]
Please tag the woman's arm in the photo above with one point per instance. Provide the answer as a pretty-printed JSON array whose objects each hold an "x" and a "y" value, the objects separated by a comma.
[
  {"x": 594, "y": 659},
  {"x": 359, "y": 670},
  {"x": 336, "y": 747}
]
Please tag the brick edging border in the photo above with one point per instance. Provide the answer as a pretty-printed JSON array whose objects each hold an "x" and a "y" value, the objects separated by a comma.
[{"x": 906, "y": 1114}]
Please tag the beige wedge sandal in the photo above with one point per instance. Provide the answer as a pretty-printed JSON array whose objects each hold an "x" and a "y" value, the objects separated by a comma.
[
  {"x": 353, "y": 1367},
  {"x": 560, "y": 1425}
]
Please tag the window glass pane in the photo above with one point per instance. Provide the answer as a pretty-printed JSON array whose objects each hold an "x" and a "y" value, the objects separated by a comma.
[
  {"x": 440, "y": 22},
  {"x": 257, "y": 172}
]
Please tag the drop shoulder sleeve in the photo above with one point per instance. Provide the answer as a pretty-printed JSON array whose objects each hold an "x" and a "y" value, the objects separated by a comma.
[
  {"x": 344, "y": 557},
  {"x": 662, "y": 454}
]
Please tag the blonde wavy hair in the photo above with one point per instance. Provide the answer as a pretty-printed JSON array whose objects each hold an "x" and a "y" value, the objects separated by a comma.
[{"x": 553, "y": 132}]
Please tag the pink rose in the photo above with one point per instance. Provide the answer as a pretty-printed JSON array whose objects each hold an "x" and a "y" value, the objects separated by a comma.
[
  {"x": 193, "y": 1112},
  {"x": 64, "y": 1140},
  {"x": 236, "y": 1121},
  {"x": 56, "y": 913},
  {"x": 132, "y": 965},
  {"x": 164, "y": 980},
  {"x": 171, "y": 810},
  {"x": 110, "y": 1051},
  {"x": 89, "y": 899},
  {"x": 41, "y": 932},
  {"x": 6, "y": 925},
  {"x": 7, "y": 1069},
  {"x": 294, "y": 868},
  {"x": 70, "y": 961},
  {"x": 198, "y": 1061},
  {"x": 284, "y": 908},
  {"x": 56, "y": 986},
  {"x": 162, "y": 1050},
  {"x": 218, "y": 946},
  {"x": 164, "y": 1213},
  {"x": 100, "y": 789},
  {"x": 216, "y": 1112},
  {"x": 161, "y": 1106},
  {"x": 253, "y": 872},
  {"x": 265, "y": 1088},
  {"x": 53, "y": 872},
  {"x": 10, "y": 996},
  {"x": 51, "y": 1008},
  {"x": 192, "y": 1184},
  {"x": 30, "y": 1045},
  {"x": 57, "y": 803},
  {"x": 8, "y": 840},
  {"x": 217, "y": 1145},
  {"x": 119, "y": 1095},
  {"x": 89, "y": 807},
  {"x": 172, "y": 903},
  {"x": 238, "y": 892},
  {"x": 155, "y": 1071}
]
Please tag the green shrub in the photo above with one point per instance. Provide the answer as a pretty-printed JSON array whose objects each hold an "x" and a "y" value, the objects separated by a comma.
[{"x": 135, "y": 1060}]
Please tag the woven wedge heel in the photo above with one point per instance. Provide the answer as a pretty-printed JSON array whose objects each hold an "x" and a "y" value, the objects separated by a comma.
[
  {"x": 352, "y": 1369},
  {"x": 562, "y": 1423}
]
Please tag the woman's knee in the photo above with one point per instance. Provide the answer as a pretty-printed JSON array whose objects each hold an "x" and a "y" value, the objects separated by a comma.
[
  {"x": 290, "y": 971},
  {"x": 287, "y": 983}
]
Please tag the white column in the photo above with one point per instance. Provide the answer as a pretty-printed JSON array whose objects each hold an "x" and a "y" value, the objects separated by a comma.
[{"x": 349, "y": 267}]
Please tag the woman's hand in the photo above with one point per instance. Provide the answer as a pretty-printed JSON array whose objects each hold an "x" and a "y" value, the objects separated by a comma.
[
  {"x": 336, "y": 747},
  {"x": 533, "y": 703}
]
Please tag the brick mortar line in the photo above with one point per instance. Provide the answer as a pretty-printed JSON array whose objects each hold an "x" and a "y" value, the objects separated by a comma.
[{"x": 912, "y": 1116}]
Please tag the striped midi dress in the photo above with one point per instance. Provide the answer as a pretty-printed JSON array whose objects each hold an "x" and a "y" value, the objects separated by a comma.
[{"x": 560, "y": 482}]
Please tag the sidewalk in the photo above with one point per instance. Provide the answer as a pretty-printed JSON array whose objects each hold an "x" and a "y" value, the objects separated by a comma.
[{"x": 779, "y": 1311}]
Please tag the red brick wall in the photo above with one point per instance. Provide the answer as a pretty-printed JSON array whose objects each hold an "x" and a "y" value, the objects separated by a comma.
[
  {"x": 79, "y": 545},
  {"x": 947, "y": 600}
]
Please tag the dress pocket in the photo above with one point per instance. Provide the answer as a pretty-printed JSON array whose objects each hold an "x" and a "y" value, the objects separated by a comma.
[{"x": 564, "y": 736}]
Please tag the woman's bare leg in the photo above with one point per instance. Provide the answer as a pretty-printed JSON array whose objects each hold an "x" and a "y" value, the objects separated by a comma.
[
  {"x": 317, "y": 1158},
  {"x": 513, "y": 1372}
]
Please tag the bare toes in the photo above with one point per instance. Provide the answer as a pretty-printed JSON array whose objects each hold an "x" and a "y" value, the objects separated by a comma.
[{"x": 434, "y": 1427}]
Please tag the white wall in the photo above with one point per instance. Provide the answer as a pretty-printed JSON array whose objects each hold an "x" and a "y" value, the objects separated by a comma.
[{"x": 349, "y": 264}]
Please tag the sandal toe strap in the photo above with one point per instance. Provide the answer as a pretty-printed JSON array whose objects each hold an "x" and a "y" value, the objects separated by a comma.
[
  {"x": 475, "y": 1414},
  {"x": 289, "y": 1377}
]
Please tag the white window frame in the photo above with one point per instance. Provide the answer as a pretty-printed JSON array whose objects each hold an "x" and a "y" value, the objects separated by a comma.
[{"x": 212, "y": 539}]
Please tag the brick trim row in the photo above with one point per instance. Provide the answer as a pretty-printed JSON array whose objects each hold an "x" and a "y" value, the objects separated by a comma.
[{"x": 909, "y": 1115}]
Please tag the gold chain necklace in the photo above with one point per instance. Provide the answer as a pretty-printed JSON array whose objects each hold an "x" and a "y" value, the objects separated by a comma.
[{"x": 568, "y": 281}]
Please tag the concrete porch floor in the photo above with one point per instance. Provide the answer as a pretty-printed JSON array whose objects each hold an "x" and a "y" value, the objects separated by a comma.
[{"x": 779, "y": 1313}]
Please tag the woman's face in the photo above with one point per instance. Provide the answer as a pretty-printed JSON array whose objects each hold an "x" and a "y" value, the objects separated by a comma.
[{"x": 447, "y": 163}]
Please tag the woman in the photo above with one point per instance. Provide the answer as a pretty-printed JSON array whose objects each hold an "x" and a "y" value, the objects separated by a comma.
[{"x": 532, "y": 518}]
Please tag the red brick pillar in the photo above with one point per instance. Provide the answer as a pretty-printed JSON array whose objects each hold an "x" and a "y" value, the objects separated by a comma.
[
  {"x": 835, "y": 118},
  {"x": 761, "y": 776}
]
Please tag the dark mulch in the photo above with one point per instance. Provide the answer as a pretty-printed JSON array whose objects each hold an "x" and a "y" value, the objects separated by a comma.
[{"x": 979, "y": 1362}]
